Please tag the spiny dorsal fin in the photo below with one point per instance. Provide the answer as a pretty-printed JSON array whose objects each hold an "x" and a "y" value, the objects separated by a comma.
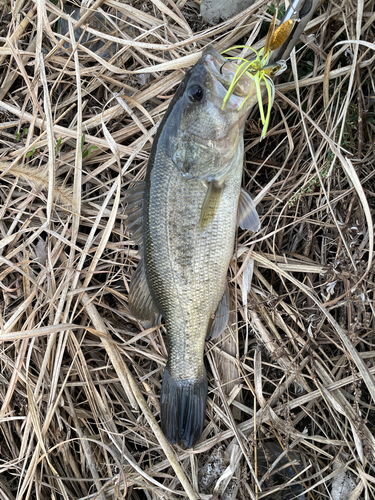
[
  {"x": 247, "y": 217},
  {"x": 210, "y": 203},
  {"x": 141, "y": 303},
  {"x": 221, "y": 316}
]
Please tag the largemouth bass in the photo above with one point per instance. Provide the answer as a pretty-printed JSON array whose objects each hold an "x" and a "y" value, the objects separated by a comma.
[{"x": 184, "y": 218}]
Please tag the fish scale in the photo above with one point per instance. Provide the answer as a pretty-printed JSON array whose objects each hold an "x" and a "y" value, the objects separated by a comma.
[{"x": 190, "y": 268}]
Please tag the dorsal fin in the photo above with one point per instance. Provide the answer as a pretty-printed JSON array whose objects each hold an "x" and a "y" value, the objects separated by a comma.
[
  {"x": 247, "y": 216},
  {"x": 134, "y": 210},
  {"x": 141, "y": 303}
]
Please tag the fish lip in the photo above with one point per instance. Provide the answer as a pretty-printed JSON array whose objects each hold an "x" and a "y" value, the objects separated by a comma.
[
  {"x": 214, "y": 62},
  {"x": 223, "y": 72}
]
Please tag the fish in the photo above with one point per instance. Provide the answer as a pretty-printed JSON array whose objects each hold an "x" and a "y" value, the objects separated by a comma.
[{"x": 184, "y": 218}]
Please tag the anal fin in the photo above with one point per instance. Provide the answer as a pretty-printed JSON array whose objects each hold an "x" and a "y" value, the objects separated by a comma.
[
  {"x": 141, "y": 303},
  {"x": 247, "y": 216},
  {"x": 221, "y": 317}
]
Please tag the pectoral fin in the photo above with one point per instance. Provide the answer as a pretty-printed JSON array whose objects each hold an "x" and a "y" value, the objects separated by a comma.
[
  {"x": 221, "y": 317},
  {"x": 141, "y": 303},
  {"x": 247, "y": 217},
  {"x": 210, "y": 203}
]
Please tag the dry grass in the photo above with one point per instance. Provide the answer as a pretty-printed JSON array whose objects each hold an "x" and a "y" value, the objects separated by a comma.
[{"x": 80, "y": 378}]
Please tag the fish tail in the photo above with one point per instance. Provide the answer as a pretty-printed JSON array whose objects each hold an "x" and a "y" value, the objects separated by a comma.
[{"x": 182, "y": 406}]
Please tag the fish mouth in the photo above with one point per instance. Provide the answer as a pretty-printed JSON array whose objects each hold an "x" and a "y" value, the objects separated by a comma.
[{"x": 224, "y": 72}]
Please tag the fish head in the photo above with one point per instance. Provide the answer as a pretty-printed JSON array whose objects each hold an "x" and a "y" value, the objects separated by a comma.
[{"x": 199, "y": 115}]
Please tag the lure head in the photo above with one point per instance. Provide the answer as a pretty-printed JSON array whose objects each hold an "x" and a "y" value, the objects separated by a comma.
[{"x": 274, "y": 69}]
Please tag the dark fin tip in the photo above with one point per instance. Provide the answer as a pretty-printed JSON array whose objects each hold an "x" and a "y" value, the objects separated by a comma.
[{"x": 183, "y": 407}]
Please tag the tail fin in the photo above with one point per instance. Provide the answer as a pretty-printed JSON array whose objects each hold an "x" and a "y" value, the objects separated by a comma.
[{"x": 183, "y": 405}]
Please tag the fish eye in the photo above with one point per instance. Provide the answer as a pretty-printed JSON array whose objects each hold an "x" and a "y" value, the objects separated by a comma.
[{"x": 195, "y": 93}]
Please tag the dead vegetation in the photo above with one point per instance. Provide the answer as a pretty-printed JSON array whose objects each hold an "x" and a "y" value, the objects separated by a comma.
[{"x": 80, "y": 379}]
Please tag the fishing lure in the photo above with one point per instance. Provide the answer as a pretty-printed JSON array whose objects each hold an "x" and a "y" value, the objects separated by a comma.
[{"x": 260, "y": 71}]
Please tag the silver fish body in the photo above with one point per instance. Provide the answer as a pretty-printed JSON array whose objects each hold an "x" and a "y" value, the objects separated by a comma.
[{"x": 192, "y": 196}]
